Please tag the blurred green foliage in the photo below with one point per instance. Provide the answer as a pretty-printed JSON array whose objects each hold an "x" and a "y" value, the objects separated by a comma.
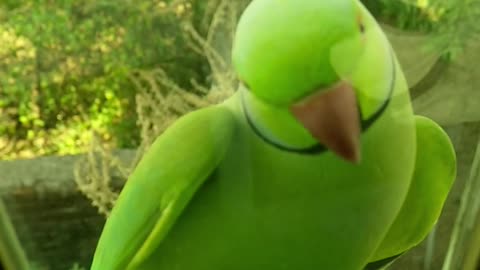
[
  {"x": 451, "y": 23},
  {"x": 408, "y": 16},
  {"x": 65, "y": 66}
]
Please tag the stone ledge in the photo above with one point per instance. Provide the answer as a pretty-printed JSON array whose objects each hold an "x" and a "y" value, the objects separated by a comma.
[{"x": 55, "y": 225}]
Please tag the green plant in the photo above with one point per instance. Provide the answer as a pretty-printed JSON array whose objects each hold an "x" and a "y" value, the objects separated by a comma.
[
  {"x": 160, "y": 100},
  {"x": 65, "y": 67},
  {"x": 452, "y": 24}
]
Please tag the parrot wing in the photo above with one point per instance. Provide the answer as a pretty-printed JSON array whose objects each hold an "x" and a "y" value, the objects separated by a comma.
[
  {"x": 435, "y": 171},
  {"x": 162, "y": 184},
  {"x": 382, "y": 264}
]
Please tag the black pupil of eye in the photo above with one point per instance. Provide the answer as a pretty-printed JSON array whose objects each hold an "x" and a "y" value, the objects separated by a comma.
[{"x": 362, "y": 28}]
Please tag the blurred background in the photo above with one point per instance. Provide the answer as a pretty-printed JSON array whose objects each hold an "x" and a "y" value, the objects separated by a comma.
[{"x": 85, "y": 86}]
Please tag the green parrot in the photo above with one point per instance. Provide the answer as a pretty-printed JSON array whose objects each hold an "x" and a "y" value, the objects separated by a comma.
[{"x": 316, "y": 162}]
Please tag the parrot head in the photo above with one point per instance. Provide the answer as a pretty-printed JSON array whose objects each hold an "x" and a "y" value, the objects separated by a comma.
[{"x": 307, "y": 59}]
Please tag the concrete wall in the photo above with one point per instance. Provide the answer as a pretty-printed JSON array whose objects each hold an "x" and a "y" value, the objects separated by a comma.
[{"x": 55, "y": 224}]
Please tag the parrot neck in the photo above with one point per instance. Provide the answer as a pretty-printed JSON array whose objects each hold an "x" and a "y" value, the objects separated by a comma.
[{"x": 276, "y": 125}]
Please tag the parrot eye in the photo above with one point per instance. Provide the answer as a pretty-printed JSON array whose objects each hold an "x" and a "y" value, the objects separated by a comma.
[{"x": 361, "y": 27}]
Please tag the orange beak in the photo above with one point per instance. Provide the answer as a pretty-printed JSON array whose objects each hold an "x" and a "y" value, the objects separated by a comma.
[{"x": 332, "y": 118}]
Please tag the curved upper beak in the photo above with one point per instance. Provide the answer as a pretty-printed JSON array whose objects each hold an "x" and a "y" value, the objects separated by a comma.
[{"x": 331, "y": 116}]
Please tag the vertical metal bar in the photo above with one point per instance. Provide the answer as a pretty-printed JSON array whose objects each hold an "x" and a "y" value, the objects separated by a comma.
[
  {"x": 11, "y": 252},
  {"x": 463, "y": 250},
  {"x": 430, "y": 249}
]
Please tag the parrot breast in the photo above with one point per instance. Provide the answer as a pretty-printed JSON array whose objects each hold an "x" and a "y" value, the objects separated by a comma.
[{"x": 267, "y": 208}]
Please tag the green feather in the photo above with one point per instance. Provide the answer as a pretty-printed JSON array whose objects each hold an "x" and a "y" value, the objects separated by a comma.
[
  {"x": 435, "y": 170},
  {"x": 232, "y": 187},
  {"x": 162, "y": 185}
]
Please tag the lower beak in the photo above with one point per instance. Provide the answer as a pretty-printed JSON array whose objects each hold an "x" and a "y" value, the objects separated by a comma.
[{"x": 331, "y": 116}]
